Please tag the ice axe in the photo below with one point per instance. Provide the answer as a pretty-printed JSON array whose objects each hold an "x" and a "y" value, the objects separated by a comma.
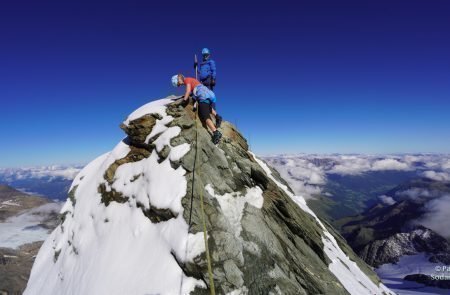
[
  {"x": 196, "y": 66},
  {"x": 196, "y": 78}
]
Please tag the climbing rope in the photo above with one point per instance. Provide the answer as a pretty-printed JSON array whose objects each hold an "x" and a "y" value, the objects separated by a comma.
[{"x": 205, "y": 235}]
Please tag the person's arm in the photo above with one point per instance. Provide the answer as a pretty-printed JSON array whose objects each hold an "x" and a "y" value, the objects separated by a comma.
[
  {"x": 213, "y": 69},
  {"x": 188, "y": 91}
]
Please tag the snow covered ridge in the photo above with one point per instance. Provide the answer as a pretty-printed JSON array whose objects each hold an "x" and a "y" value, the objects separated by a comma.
[
  {"x": 347, "y": 271},
  {"x": 101, "y": 239}
]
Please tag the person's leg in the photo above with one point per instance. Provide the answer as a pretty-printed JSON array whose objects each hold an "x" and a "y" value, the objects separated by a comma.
[
  {"x": 204, "y": 113},
  {"x": 213, "y": 109},
  {"x": 211, "y": 125},
  {"x": 216, "y": 115}
]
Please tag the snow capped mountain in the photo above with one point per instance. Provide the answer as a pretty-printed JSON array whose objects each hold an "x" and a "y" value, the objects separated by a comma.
[{"x": 135, "y": 219}]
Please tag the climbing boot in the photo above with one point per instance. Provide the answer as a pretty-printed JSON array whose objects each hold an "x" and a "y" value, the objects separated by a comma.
[{"x": 216, "y": 136}]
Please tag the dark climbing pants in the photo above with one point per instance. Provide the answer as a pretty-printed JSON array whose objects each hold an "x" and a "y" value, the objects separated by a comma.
[{"x": 204, "y": 111}]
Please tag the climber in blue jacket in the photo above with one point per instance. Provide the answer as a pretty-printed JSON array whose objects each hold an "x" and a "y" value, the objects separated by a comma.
[
  {"x": 207, "y": 70},
  {"x": 207, "y": 76}
]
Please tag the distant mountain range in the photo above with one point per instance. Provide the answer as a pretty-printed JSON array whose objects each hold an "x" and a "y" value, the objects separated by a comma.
[
  {"x": 25, "y": 221},
  {"x": 407, "y": 215}
]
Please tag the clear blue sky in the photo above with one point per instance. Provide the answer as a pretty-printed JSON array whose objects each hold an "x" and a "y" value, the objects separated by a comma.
[{"x": 298, "y": 76}]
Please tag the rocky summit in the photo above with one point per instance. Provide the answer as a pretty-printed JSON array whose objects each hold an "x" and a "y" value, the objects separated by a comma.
[{"x": 134, "y": 221}]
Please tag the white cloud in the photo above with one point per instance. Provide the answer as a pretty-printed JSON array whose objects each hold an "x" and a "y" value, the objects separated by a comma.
[
  {"x": 436, "y": 207},
  {"x": 354, "y": 165},
  {"x": 351, "y": 165},
  {"x": 438, "y": 176},
  {"x": 387, "y": 200},
  {"x": 304, "y": 177},
  {"x": 417, "y": 193},
  {"x": 389, "y": 164},
  {"x": 436, "y": 217},
  {"x": 446, "y": 164},
  {"x": 66, "y": 172}
]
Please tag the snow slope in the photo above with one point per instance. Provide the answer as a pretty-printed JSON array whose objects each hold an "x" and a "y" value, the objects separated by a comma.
[{"x": 100, "y": 240}]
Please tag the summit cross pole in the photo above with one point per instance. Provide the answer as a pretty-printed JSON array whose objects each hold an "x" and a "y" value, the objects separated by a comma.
[
  {"x": 196, "y": 76},
  {"x": 196, "y": 66}
]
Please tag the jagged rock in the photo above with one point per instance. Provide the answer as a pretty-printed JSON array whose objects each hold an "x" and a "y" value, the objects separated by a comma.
[
  {"x": 138, "y": 129},
  {"x": 418, "y": 240},
  {"x": 262, "y": 239},
  {"x": 15, "y": 266},
  {"x": 440, "y": 281}
]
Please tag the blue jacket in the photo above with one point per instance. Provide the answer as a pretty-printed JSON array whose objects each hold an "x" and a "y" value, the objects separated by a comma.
[{"x": 207, "y": 68}]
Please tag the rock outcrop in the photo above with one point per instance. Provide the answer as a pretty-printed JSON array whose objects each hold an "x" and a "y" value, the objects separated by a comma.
[
  {"x": 133, "y": 223},
  {"x": 442, "y": 281}
]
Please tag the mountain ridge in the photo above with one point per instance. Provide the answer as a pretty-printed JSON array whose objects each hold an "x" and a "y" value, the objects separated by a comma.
[{"x": 262, "y": 237}]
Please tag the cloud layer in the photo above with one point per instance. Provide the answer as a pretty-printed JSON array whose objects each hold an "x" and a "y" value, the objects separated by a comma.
[
  {"x": 436, "y": 215},
  {"x": 307, "y": 173},
  {"x": 54, "y": 171}
]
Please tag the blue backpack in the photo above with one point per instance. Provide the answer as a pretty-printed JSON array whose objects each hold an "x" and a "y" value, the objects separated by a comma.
[{"x": 203, "y": 94}]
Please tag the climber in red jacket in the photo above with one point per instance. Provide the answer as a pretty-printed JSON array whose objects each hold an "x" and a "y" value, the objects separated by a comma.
[{"x": 205, "y": 98}]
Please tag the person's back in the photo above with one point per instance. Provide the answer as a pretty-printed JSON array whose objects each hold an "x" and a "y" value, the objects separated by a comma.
[
  {"x": 192, "y": 82},
  {"x": 207, "y": 70}
]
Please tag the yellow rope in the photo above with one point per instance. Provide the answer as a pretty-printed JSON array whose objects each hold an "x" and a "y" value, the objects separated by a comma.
[{"x": 205, "y": 235}]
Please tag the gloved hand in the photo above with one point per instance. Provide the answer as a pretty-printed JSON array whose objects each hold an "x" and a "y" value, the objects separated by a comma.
[
  {"x": 184, "y": 103},
  {"x": 195, "y": 65},
  {"x": 213, "y": 82}
]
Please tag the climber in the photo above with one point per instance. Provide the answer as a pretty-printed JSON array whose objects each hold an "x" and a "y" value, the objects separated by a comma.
[
  {"x": 204, "y": 96},
  {"x": 207, "y": 72},
  {"x": 207, "y": 69}
]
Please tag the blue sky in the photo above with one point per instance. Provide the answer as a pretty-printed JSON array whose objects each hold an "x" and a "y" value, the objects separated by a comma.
[{"x": 297, "y": 76}]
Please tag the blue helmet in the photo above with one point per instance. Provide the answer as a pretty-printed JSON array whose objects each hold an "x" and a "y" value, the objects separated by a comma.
[
  {"x": 205, "y": 51},
  {"x": 175, "y": 80}
]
